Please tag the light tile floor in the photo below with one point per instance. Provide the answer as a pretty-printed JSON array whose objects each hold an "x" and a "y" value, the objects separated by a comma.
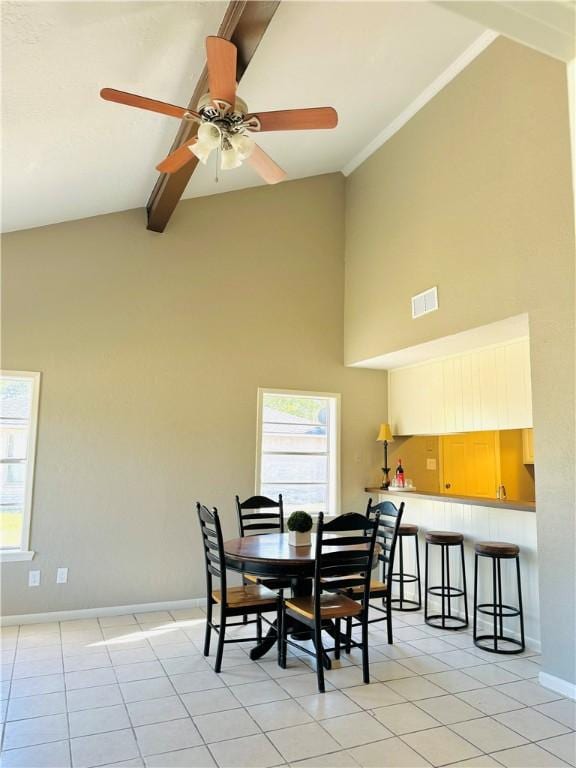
[{"x": 135, "y": 690}]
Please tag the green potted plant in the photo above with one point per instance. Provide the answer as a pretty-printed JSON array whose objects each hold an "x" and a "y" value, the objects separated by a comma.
[{"x": 299, "y": 524}]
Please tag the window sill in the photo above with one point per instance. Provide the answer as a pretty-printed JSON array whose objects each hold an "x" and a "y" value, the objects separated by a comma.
[{"x": 11, "y": 556}]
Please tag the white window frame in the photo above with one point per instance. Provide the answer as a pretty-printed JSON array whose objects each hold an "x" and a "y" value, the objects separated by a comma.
[
  {"x": 333, "y": 441},
  {"x": 24, "y": 553}
]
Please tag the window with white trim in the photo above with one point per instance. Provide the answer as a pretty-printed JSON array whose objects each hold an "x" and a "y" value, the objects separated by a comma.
[
  {"x": 298, "y": 449},
  {"x": 19, "y": 396}
]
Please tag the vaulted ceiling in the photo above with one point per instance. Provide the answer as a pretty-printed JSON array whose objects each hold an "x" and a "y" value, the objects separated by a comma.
[{"x": 67, "y": 154}]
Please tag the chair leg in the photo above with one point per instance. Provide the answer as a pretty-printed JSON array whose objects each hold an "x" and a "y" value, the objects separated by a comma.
[
  {"x": 389, "y": 619},
  {"x": 208, "y": 631},
  {"x": 245, "y": 616},
  {"x": 283, "y": 640},
  {"x": 337, "y": 624},
  {"x": 365, "y": 661},
  {"x": 319, "y": 655},
  {"x": 348, "y": 634},
  {"x": 258, "y": 628},
  {"x": 221, "y": 634}
]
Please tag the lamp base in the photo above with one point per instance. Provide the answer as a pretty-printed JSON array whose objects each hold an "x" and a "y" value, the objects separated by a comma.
[{"x": 386, "y": 479}]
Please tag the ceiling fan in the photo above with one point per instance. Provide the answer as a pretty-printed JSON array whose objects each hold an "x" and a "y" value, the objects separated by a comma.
[{"x": 224, "y": 123}]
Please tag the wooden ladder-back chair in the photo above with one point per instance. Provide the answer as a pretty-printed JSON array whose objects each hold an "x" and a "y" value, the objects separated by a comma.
[
  {"x": 341, "y": 560},
  {"x": 233, "y": 601},
  {"x": 257, "y": 515},
  {"x": 389, "y": 518}
]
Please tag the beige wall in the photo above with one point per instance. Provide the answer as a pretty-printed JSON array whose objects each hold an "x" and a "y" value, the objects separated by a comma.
[
  {"x": 474, "y": 195},
  {"x": 151, "y": 349}
]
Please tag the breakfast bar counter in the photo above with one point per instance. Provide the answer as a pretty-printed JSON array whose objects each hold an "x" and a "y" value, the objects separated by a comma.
[
  {"x": 477, "y": 501},
  {"x": 478, "y": 519}
]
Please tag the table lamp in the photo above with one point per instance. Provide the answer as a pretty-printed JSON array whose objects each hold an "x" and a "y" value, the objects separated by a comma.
[{"x": 385, "y": 436}]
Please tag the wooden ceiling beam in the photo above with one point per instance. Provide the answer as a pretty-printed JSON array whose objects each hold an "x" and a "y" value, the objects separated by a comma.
[{"x": 245, "y": 23}]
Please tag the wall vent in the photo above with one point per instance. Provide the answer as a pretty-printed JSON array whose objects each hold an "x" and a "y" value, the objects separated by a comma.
[{"x": 425, "y": 302}]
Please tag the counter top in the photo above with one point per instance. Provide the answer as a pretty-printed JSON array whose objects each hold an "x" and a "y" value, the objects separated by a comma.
[{"x": 476, "y": 501}]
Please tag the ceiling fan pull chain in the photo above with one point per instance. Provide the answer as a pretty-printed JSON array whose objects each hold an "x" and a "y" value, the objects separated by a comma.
[{"x": 217, "y": 155}]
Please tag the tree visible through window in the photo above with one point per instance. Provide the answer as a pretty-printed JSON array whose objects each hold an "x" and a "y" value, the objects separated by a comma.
[
  {"x": 298, "y": 449},
  {"x": 18, "y": 415}
]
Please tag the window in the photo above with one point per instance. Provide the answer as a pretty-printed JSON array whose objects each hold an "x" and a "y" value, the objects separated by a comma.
[
  {"x": 298, "y": 449},
  {"x": 19, "y": 394}
]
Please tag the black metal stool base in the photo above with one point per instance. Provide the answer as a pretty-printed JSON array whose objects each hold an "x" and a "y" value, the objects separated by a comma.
[
  {"x": 499, "y": 639},
  {"x": 400, "y": 603},
  {"x": 415, "y": 605},
  {"x": 497, "y": 609},
  {"x": 445, "y": 591},
  {"x": 439, "y": 621}
]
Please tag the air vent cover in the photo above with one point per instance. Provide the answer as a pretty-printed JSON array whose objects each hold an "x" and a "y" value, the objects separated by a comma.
[{"x": 425, "y": 302}]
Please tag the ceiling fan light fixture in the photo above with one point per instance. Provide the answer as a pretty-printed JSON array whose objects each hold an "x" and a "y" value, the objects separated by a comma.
[
  {"x": 210, "y": 135},
  {"x": 242, "y": 144},
  {"x": 230, "y": 159},
  {"x": 202, "y": 151}
]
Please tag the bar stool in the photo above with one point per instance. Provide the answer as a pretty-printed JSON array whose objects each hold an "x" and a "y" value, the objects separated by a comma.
[
  {"x": 498, "y": 551},
  {"x": 399, "y": 577},
  {"x": 445, "y": 540}
]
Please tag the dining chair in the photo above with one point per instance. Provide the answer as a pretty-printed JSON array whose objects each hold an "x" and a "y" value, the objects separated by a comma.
[
  {"x": 339, "y": 560},
  {"x": 254, "y": 518},
  {"x": 389, "y": 518},
  {"x": 233, "y": 601}
]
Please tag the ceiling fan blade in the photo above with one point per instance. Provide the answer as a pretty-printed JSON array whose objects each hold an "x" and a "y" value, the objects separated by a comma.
[
  {"x": 178, "y": 159},
  {"x": 265, "y": 166},
  {"x": 297, "y": 119},
  {"x": 221, "y": 56},
  {"x": 132, "y": 100}
]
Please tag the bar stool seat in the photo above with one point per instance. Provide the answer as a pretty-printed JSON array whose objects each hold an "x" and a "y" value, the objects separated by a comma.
[
  {"x": 444, "y": 537},
  {"x": 497, "y": 548},
  {"x": 407, "y": 529},
  {"x": 401, "y": 603}
]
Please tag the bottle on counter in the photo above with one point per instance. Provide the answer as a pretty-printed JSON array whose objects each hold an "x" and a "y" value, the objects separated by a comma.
[{"x": 400, "y": 474}]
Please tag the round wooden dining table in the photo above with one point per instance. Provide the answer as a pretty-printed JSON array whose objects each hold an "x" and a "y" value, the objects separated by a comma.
[{"x": 270, "y": 556}]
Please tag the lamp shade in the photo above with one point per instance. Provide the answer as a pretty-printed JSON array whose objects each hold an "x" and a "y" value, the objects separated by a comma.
[{"x": 385, "y": 434}]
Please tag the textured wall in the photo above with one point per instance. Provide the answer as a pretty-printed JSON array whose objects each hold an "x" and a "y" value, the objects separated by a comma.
[
  {"x": 152, "y": 348},
  {"x": 474, "y": 195}
]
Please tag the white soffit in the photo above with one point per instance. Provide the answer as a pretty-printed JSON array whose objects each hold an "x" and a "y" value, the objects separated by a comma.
[{"x": 495, "y": 333}]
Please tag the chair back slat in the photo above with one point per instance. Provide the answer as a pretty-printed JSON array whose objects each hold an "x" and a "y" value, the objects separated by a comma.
[
  {"x": 346, "y": 557},
  {"x": 345, "y": 583},
  {"x": 266, "y": 521},
  {"x": 261, "y": 527},
  {"x": 389, "y": 519},
  {"x": 345, "y": 541},
  {"x": 354, "y": 557},
  {"x": 213, "y": 546},
  {"x": 261, "y": 516}
]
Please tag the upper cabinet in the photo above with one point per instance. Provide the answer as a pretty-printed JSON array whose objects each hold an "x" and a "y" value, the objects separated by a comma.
[{"x": 484, "y": 389}]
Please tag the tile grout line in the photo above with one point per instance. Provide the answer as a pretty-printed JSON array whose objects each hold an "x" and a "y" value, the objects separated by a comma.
[{"x": 292, "y": 697}]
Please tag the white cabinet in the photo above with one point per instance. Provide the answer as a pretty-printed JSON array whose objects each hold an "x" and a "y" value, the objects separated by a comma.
[{"x": 484, "y": 389}]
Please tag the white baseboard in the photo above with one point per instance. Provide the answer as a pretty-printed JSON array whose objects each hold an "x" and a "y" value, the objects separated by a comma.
[
  {"x": 558, "y": 685},
  {"x": 92, "y": 613}
]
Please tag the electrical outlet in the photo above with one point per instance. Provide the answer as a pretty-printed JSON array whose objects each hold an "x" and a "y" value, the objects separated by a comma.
[
  {"x": 431, "y": 464},
  {"x": 33, "y": 578},
  {"x": 61, "y": 575}
]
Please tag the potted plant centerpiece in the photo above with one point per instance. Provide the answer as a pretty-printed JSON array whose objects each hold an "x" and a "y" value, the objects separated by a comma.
[{"x": 299, "y": 524}]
